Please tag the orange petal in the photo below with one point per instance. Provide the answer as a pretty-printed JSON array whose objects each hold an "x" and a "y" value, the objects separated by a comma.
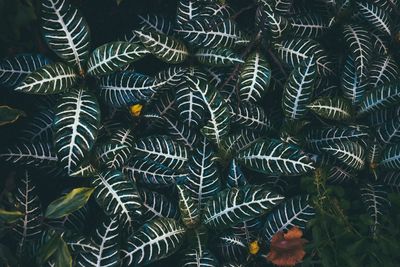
[
  {"x": 293, "y": 233},
  {"x": 277, "y": 237},
  {"x": 135, "y": 110},
  {"x": 254, "y": 247}
]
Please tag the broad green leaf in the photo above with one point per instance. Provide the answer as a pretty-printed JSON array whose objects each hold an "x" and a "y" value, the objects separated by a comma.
[
  {"x": 220, "y": 56},
  {"x": 389, "y": 132},
  {"x": 218, "y": 125},
  {"x": 80, "y": 244},
  {"x": 299, "y": 89},
  {"x": 186, "y": 11},
  {"x": 113, "y": 57},
  {"x": 169, "y": 78},
  {"x": 274, "y": 157},
  {"x": 69, "y": 203},
  {"x": 106, "y": 237},
  {"x": 217, "y": 9},
  {"x": 359, "y": 42},
  {"x": 189, "y": 209},
  {"x": 374, "y": 153},
  {"x": 340, "y": 174},
  {"x": 383, "y": 70},
  {"x": 84, "y": 170},
  {"x": 54, "y": 78},
  {"x": 29, "y": 226},
  {"x": 202, "y": 173},
  {"x": 292, "y": 51},
  {"x": 248, "y": 230},
  {"x": 9, "y": 115},
  {"x": 118, "y": 196},
  {"x": 293, "y": 212},
  {"x": 63, "y": 257},
  {"x": 277, "y": 25},
  {"x": 310, "y": 25},
  {"x": 203, "y": 258},
  {"x": 382, "y": 97},
  {"x": 37, "y": 154},
  {"x": 350, "y": 153},
  {"x": 154, "y": 241},
  {"x": 254, "y": 78},
  {"x": 334, "y": 108},
  {"x": 123, "y": 89},
  {"x": 49, "y": 248},
  {"x": 66, "y": 31},
  {"x": 236, "y": 177},
  {"x": 189, "y": 101},
  {"x": 151, "y": 22},
  {"x": 375, "y": 16},
  {"x": 391, "y": 157},
  {"x": 236, "y": 142},
  {"x": 156, "y": 205},
  {"x": 375, "y": 199},
  {"x": 39, "y": 127},
  {"x": 14, "y": 70},
  {"x": 112, "y": 155},
  {"x": 231, "y": 247},
  {"x": 392, "y": 180},
  {"x": 318, "y": 138},
  {"x": 235, "y": 205},
  {"x": 162, "y": 149},
  {"x": 10, "y": 216},
  {"x": 209, "y": 32},
  {"x": 163, "y": 46},
  {"x": 76, "y": 124},
  {"x": 152, "y": 173},
  {"x": 353, "y": 88},
  {"x": 380, "y": 43},
  {"x": 251, "y": 116},
  {"x": 181, "y": 131}
]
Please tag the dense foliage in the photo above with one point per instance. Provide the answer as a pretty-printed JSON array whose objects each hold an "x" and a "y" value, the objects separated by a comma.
[{"x": 214, "y": 136}]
